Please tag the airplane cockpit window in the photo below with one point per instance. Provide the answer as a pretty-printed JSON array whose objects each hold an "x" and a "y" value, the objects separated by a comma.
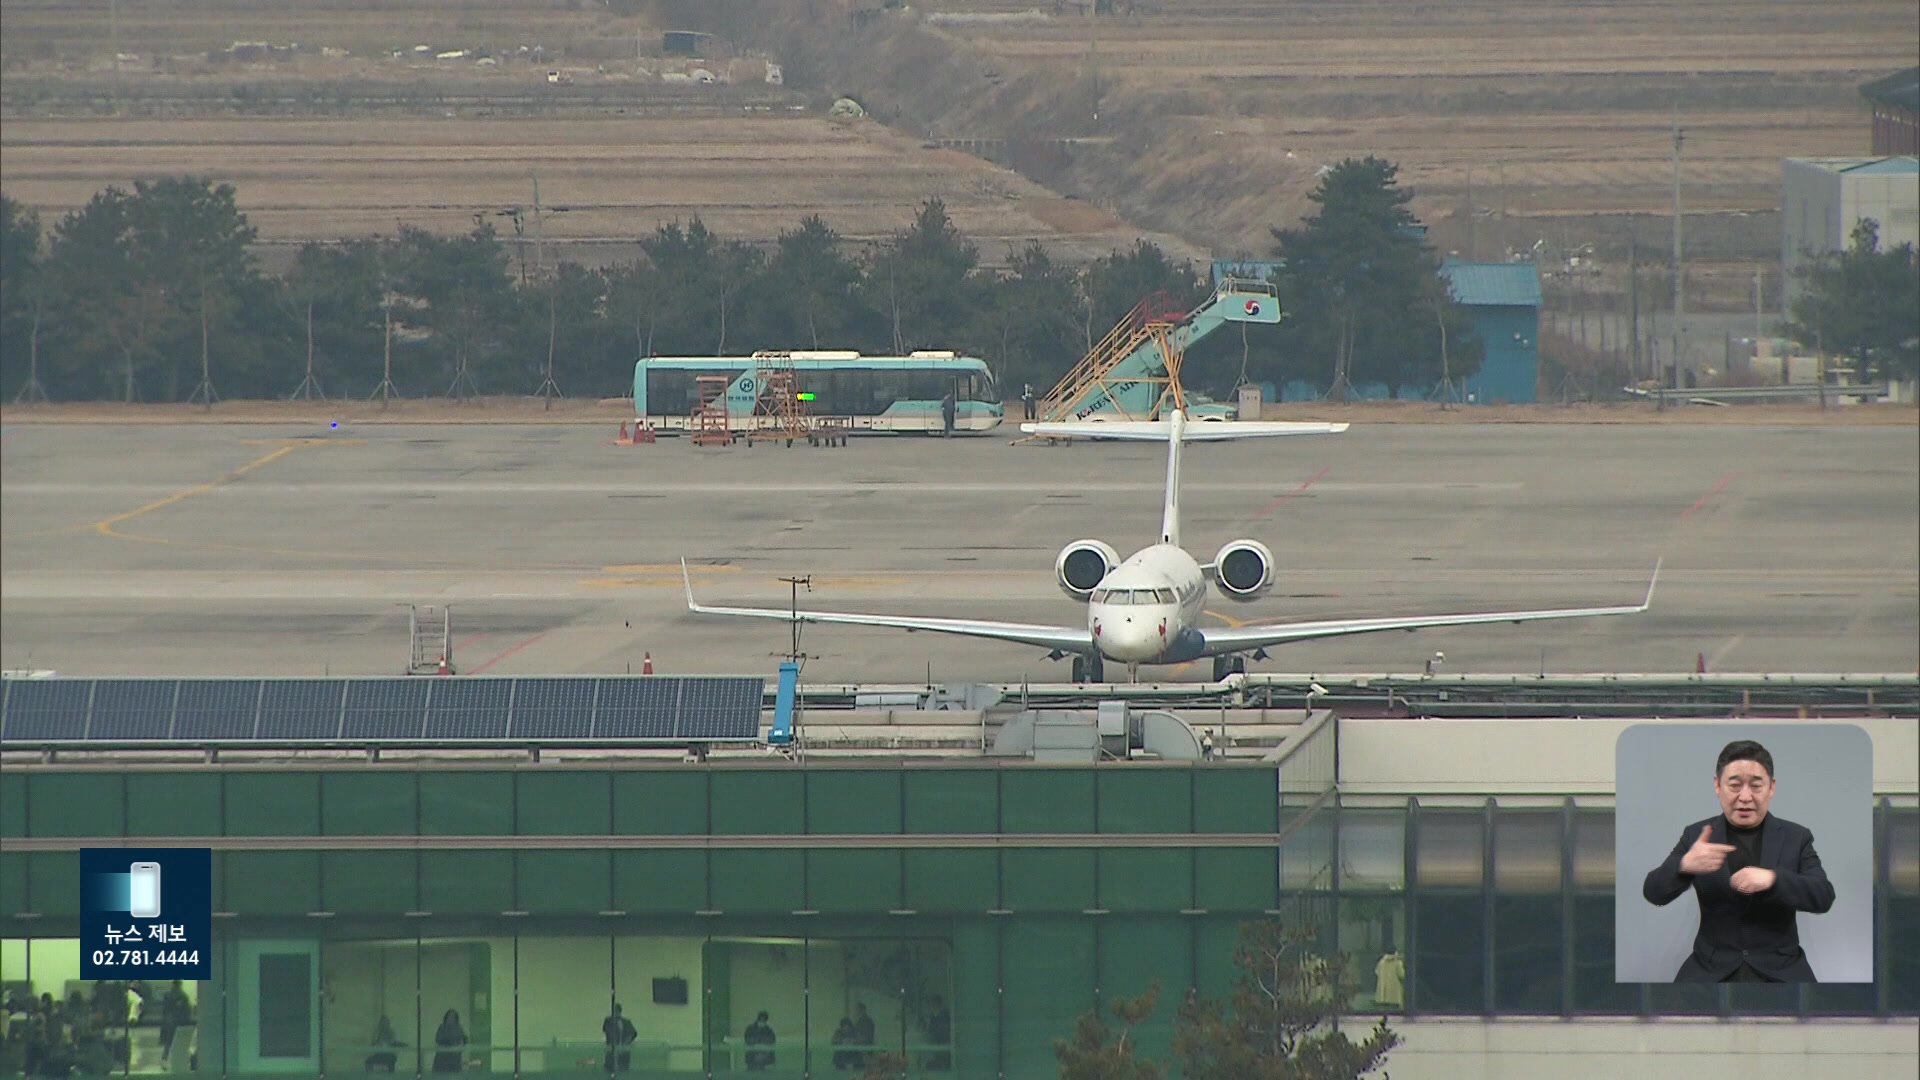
[
  {"x": 1165, "y": 596},
  {"x": 1099, "y": 596}
]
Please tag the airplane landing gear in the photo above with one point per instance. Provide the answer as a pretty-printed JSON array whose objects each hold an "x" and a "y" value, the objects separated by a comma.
[
  {"x": 1089, "y": 669},
  {"x": 1224, "y": 666}
]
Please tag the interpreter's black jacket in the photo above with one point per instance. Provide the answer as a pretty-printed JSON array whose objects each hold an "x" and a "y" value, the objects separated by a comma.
[{"x": 1759, "y": 928}]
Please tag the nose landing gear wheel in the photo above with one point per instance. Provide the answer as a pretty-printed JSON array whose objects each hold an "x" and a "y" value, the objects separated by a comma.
[
  {"x": 1224, "y": 666},
  {"x": 1089, "y": 669}
]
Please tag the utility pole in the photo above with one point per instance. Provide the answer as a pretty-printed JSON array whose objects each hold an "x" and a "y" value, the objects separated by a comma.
[
  {"x": 794, "y": 584},
  {"x": 1093, "y": 53},
  {"x": 539, "y": 232},
  {"x": 1473, "y": 251},
  {"x": 1633, "y": 293},
  {"x": 1679, "y": 267},
  {"x": 113, "y": 42}
]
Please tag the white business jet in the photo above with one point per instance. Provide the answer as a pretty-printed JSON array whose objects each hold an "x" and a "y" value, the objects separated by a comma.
[{"x": 1147, "y": 609}]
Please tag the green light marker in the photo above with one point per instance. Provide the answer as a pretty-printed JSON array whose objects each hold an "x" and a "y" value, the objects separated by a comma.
[{"x": 803, "y": 396}]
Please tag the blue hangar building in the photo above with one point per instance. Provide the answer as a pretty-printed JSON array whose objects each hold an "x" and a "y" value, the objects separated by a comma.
[{"x": 1503, "y": 301}]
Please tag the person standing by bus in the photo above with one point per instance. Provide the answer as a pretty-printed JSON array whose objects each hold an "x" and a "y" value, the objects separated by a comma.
[{"x": 946, "y": 415}]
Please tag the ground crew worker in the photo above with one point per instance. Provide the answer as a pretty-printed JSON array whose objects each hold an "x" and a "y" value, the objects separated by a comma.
[
  {"x": 1026, "y": 399},
  {"x": 946, "y": 414}
]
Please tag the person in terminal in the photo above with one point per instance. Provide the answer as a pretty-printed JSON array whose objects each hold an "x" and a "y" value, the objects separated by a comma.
[
  {"x": 863, "y": 1033},
  {"x": 939, "y": 1030},
  {"x": 1752, "y": 873},
  {"x": 760, "y": 1034},
  {"x": 383, "y": 1059},
  {"x": 620, "y": 1034},
  {"x": 176, "y": 1012},
  {"x": 844, "y": 1060},
  {"x": 451, "y": 1038}
]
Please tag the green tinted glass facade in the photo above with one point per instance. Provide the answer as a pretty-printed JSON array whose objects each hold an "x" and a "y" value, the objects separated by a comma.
[{"x": 962, "y": 915}]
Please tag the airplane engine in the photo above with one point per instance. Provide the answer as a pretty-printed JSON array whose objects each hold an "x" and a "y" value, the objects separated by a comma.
[
  {"x": 1081, "y": 566},
  {"x": 1243, "y": 570}
]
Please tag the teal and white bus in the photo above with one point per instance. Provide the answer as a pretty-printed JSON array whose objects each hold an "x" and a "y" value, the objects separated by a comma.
[{"x": 882, "y": 394}]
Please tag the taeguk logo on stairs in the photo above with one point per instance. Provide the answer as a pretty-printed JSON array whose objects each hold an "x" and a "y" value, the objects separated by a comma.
[{"x": 1253, "y": 307}]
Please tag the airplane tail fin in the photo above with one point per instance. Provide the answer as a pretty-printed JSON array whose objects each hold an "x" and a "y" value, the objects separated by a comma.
[{"x": 1175, "y": 431}]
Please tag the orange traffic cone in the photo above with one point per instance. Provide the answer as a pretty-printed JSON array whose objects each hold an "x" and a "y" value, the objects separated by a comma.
[
  {"x": 646, "y": 664},
  {"x": 445, "y": 668}
]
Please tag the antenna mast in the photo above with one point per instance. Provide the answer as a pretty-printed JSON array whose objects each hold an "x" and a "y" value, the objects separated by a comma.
[{"x": 795, "y": 584}]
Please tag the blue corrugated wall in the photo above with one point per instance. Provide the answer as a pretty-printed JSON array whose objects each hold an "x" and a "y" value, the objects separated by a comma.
[{"x": 1510, "y": 372}]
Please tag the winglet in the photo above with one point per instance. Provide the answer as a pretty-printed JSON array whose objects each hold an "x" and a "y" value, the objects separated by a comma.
[
  {"x": 1648, "y": 602},
  {"x": 687, "y": 576}
]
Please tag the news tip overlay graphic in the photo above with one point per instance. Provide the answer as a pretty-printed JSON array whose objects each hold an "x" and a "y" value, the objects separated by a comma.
[{"x": 146, "y": 913}]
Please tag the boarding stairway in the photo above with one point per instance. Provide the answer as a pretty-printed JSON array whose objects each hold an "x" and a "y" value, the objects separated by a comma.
[
  {"x": 1134, "y": 369},
  {"x": 431, "y": 631}
]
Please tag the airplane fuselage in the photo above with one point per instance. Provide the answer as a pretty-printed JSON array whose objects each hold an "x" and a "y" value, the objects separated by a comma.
[{"x": 1147, "y": 609}]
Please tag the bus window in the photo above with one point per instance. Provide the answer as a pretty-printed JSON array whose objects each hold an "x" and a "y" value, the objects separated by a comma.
[{"x": 669, "y": 392}]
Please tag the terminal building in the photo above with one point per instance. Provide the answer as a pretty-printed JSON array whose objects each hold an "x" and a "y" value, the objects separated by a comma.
[{"x": 958, "y": 878}]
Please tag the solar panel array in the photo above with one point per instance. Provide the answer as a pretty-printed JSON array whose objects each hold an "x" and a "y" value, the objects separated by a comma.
[{"x": 636, "y": 708}]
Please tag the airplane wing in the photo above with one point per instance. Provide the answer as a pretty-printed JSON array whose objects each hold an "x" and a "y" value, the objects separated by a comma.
[
  {"x": 1160, "y": 430},
  {"x": 1244, "y": 638},
  {"x": 1069, "y": 639}
]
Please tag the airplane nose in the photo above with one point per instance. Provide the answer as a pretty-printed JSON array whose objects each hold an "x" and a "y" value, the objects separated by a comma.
[{"x": 1131, "y": 637}]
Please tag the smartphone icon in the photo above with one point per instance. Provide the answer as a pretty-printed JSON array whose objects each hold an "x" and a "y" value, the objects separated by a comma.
[{"x": 144, "y": 890}]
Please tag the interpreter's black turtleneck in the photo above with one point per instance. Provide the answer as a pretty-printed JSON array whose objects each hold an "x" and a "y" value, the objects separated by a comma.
[{"x": 1746, "y": 843}]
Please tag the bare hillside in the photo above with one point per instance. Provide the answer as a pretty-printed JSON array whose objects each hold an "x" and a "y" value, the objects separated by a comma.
[{"x": 1211, "y": 118}]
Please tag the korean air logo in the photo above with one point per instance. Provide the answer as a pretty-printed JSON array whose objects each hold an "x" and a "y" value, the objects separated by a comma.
[{"x": 1253, "y": 307}]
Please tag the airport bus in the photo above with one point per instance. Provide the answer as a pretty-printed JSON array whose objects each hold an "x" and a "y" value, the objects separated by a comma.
[{"x": 880, "y": 394}]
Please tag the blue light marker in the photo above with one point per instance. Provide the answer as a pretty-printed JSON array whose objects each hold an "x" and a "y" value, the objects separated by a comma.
[{"x": 335, "y": 424}]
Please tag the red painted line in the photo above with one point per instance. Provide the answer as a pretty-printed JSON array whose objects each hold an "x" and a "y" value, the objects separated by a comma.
[
  {"x": 1294, "y": 494},
  {"x": 1711, "y": 492},
  {"x": 484, "y": 665}
]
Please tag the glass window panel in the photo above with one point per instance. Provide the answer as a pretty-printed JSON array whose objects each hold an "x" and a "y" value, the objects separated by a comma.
[
  {"x": 1903, "y": 851},
  {"x": 1593, "y": 850},
  {"x": 1763, "y": 999},
  {"x": 871, "y": 997},
  {"x": 1684, "y": 999},
  {"x": 1048, "y": 971},
  {"x": 13, "y": 970},
  {"x": 1165, "y": 596},
  {"x": 1449, "y": 852},
  {"x": 1526, "y": 954},
  {"x": 1450, "y": 953},
  {"x": 1373, "y": 849},
  {"x": 1373, "y": 934},
  {"x": 367, "y": 1012},
  {"x": 566, "y": 992},
  {"x": 466, "y": 1003},
  {"x": 1526, "y": 851},
  {"x": 658, "y": 982},
  {"x": 107, "y": 1027},
  {"x": 756, "y": 1004},
  {"x": 1306, "y": 859},
  {"x": 1840, "y": 999},
  {"x": 1594, "y": 990},
  {"x": 1901, "y": 945}
]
